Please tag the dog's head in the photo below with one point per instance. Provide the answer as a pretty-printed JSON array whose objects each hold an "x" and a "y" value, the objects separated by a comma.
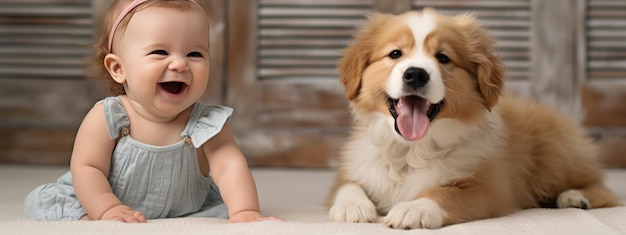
[{"x": 419, "y": 67}]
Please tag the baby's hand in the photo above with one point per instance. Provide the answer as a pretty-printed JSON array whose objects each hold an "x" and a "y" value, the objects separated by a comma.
[
  {"x": 124, "y": 213},
  {"x": 250, "y": 216}
]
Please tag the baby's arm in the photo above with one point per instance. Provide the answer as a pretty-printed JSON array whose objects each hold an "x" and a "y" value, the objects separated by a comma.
[
  {"x": 90, "y": 163},
  {"x": 229, "y": 169}
]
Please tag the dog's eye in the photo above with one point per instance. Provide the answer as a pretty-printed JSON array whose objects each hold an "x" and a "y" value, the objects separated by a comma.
[
  {"x": 395, "y": 54},
  {"x": 444, "y": 59}
]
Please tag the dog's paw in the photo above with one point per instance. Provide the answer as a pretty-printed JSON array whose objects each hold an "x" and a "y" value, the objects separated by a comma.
[
  {"x": 572, "y": 199},
  {"x": 359, "y": 211},
  {"x": 420, "y": 213}
]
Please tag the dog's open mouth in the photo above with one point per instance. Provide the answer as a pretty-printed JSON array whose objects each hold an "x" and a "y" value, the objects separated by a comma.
[
  {"x": 412, "y": 115},
  {"x": 173, "y": 87}
]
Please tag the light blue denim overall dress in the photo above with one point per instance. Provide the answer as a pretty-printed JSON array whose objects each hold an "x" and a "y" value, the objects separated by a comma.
[{"x": 159, "y": 181}]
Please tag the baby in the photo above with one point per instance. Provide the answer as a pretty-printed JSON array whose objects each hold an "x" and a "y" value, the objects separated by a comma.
[{"x": 152, "y": 150}]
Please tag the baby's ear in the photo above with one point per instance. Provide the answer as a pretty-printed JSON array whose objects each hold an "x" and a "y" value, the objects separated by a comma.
[{"x": 113, "y": 64}]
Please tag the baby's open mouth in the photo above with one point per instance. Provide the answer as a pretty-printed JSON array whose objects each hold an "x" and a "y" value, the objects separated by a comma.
[{"x": 173, "y": 87}]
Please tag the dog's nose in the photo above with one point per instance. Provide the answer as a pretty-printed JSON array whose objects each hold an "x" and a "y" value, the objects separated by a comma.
[{"x": 415, "y": 77}]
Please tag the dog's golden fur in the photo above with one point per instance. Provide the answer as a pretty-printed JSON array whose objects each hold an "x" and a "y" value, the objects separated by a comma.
[{"x": 484, "y": 155}]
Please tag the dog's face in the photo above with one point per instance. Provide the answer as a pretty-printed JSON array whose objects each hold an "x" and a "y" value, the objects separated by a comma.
[{"x": 420, "y": 67}]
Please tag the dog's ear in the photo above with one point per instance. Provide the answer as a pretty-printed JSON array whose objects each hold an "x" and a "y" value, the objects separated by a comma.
[
  {"x": 357, "y": 55},
  {"x": 351, "y": 68},
  {"x": 490, "y": 71},
  {"x": 491, "y": 77}
]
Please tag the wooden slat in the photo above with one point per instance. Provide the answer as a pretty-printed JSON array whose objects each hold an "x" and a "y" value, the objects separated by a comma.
[
  {"x": 298, "y": 72},
  {"x": 472, "y": 4},
  {"x": 38, "y": 19},
  {"x": 606, "y": 3},
  {"x": 303, "y": 42},
  {"x": 606, "y": 34},
  {"x": 487, "y": 13},
  {"x": 40, "y": 50},
  {"x": 509, "y": 33},
  {"x": 313, "y": 12},
  {"x": 607, "y": 64},
  {"x": 44, "y": 10},
  {"x": 40, "y": 60},
  {"x": 307, "y": 3},
  {"x": 606, "y": 13},
  {"x": 320, "y": 33},
  {"x": 301, "y": 52},
  {"x": 45, "y": 39},
  {"x": 291, "y": 62},
  {"x": 46, "y": 1},
  {"x": 311, "y": 23},
  {"x": 606, "y": 22},
  {"x": 307, "y": 34},
  {"x": 49, "y": 72},
  {"x": 43, "y": 30}
]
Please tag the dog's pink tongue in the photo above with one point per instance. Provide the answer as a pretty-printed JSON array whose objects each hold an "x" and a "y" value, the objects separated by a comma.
[{"x": 412, "y": 120}]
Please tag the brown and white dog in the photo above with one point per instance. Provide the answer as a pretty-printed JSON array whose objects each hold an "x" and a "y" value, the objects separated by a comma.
[{"x": 435, "y": 143}]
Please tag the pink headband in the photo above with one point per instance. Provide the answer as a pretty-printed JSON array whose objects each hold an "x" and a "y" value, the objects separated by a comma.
[{"x": 125, "y": 12}]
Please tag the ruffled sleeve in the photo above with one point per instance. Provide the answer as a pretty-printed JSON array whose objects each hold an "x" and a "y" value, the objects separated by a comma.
[
  {"x": 208, "y": 122},
  {"x": 115, "y": 115}
]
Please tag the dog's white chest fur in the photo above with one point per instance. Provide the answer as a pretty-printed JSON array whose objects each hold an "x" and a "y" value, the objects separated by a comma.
[
  {"x": 390, "y": 172},
  {"x": 387, "y": 184}
]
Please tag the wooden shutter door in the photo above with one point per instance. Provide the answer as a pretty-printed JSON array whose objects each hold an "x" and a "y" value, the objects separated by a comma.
[
  {"x": 603, "y": 69},
  {"x": 290, "y": 109},
  {"x": 43, "y": 95}
]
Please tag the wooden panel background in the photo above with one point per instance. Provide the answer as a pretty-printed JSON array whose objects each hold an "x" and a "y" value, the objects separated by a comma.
[
  {"x": 273, "y": 60},
  {"x": 42, "y": 94},
  {"x": 282, "y": 55},
  {"x": 603, "y": 85}
]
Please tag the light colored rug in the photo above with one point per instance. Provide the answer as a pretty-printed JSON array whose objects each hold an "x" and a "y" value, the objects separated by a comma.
[{"x": 297, "y": 195}]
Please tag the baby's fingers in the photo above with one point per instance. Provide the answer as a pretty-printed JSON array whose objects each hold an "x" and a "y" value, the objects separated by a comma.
[
  {"x": 139, "y": 216},
  {"x": 135, "y": 217},
  {"x": 272, "y": 218}
]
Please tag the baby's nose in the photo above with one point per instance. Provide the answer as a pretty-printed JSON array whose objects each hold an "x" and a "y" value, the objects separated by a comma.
[{"x": 178, "y": 64}]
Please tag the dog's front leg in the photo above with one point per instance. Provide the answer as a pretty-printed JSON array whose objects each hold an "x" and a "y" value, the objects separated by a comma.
[
  {"x": 351, "y": 204},
  {"x": 458, "y": 202},
  {"x": 418, "y": 213}
]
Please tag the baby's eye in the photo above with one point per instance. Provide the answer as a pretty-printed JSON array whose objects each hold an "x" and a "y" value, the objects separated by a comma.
[
  {"x": 195, "y": 54},
  {"x": 159, "y": 52}
]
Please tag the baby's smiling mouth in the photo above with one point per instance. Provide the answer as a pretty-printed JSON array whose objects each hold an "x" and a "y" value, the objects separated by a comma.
[{"x": 173, "y": 87}]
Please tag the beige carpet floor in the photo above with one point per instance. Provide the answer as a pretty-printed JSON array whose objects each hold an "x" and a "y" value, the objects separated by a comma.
[{"x": 297, "y": 195}]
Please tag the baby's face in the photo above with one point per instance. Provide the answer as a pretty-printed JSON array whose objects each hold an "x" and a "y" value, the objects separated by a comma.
[{"x": 165, "y": 58}]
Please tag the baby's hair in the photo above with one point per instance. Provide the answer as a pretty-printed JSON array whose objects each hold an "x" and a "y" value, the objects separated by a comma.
[{"x": 95, "y": 62}]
